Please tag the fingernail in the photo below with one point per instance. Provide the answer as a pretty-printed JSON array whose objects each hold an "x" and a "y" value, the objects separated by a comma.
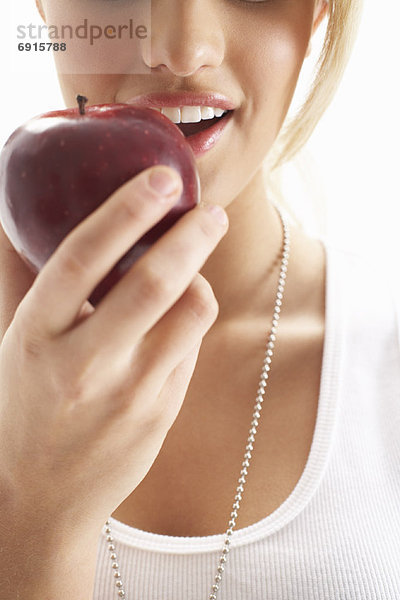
[
  {"x": 163, "y": 181},
  {"x": 219, "y": 213}
]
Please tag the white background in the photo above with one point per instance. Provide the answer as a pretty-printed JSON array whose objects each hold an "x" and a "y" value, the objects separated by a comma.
[{"x": 354, "y": 148}]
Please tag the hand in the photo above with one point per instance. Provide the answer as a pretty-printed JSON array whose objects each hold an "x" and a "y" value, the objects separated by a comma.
[
  {"x": 15, "y": 280},
  {"x": 88, "y": 395}
]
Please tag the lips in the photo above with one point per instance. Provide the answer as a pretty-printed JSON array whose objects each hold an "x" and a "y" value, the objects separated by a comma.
[
  {"x": 205, "y": 139},
  {"x": 201, "y": 136},
  {"x": 161, "y": 99}
]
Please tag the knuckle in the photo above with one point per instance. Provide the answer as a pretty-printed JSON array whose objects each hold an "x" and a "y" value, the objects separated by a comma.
[
  {"x": 73, "y": 385},
  {"x": 137, "y": 214},
  {"x": 78, "y": 395},
  {"x": 131, "y": 406},
  {"x": 134, "y": 203},
  {"x": 74, "y": 394},
  {"x": 203, "y": 303},
  {"x": 158, "y": 415},
  {"x": 131, "y": 208},
  {"x": 31, "y": 345},
  {"x": 207, "y": 226},
  {"x": 30, "y": 340},
  {"x": 153, "y": 419},
  {"x": 71, "y": 262},
  {"x": 153, "y": 284}
]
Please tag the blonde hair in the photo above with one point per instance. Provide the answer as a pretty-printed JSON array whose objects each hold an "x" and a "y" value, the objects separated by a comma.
[{"x": 341, "y": 31}]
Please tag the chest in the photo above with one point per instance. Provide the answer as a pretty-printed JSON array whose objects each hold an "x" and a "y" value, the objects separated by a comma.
[{"x": 190, "y": 488}]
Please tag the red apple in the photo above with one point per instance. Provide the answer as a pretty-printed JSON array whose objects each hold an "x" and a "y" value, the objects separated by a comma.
[{"x": 60, "y": 166}]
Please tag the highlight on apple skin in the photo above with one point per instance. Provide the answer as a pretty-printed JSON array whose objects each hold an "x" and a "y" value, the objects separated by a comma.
[{"x": 60, "y": 166}]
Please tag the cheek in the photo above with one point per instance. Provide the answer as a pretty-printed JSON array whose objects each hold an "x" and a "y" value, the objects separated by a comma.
[
  {"x": 266, "y": 60},
  {"x": 268, "y": 53},
  {"x": 99, "y": 37},
  {"x": 272, "y": 75}
]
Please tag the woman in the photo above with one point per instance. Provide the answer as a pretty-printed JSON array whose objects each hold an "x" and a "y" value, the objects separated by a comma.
[{"x": 137, "y": 413}]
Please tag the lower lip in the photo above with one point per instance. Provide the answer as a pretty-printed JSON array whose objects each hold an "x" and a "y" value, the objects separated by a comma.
[{"x": 205, "y": 140}]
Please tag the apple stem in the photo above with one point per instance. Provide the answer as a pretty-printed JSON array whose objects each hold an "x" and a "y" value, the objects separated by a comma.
[{"x": 81, "y": 102}]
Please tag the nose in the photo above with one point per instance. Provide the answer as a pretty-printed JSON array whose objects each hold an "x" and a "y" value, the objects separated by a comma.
[{"x": 186, "y": 36}]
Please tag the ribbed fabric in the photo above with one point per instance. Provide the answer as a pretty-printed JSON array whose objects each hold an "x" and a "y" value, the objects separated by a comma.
[{"x": 337, "y": 536}]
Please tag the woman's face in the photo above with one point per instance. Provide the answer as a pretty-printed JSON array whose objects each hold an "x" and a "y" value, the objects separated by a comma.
[{"x": 250, "y": 51}]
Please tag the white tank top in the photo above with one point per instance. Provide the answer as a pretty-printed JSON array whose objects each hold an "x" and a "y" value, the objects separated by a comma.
[{"x": 337, "y": 536}]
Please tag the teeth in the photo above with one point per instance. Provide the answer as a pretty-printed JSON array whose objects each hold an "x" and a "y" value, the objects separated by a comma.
[
  {"x": 172, "y": 113},
  {"x": 191, "y": 114},
  {"x": 207, "y": 112}
]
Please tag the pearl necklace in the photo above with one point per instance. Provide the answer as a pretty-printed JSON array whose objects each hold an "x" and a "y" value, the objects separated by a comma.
[{"x": 250, "y": 440}]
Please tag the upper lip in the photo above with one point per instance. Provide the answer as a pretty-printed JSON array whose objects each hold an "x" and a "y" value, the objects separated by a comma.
[{"x": 176, "y": 99}]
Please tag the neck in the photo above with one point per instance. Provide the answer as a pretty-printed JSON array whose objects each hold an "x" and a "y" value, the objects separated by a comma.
[{"x": 244, "y": 267}]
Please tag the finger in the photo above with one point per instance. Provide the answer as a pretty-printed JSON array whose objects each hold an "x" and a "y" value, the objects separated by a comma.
[
  {"x": 88, "y": 253},
  {"x": 154, "y": 283},
  {"x": 163, "y": 399},
  {"x": 162, "y": 349},
  {"x": 179, "y": 330},
  {"x": 172, "y": 395}
]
